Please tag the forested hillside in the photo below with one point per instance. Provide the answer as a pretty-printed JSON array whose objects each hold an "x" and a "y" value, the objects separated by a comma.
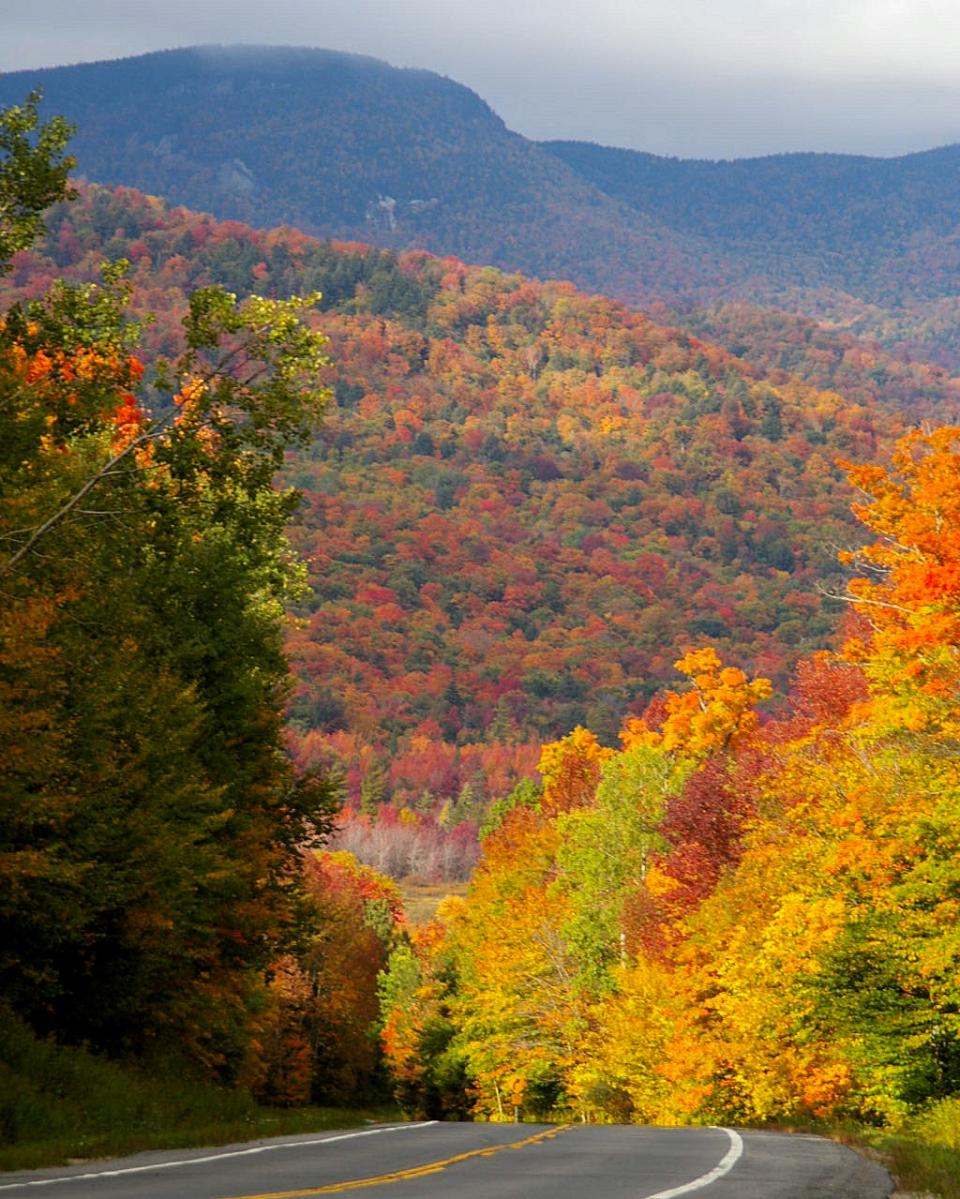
[
  {"x": 781, "y": 344},
  {"x": 350, "y": 147},
  {"x": 521, "y": 503},
  {"x": 811, "y": 220}
]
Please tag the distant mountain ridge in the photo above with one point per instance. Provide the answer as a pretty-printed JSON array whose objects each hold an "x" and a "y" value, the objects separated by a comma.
[
  {"x": 347, "y": 146},
  {"x": 747, "y": 206}
]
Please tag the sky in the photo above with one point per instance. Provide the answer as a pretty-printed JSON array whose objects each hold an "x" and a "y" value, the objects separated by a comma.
[{"x": 693, "y": 78}]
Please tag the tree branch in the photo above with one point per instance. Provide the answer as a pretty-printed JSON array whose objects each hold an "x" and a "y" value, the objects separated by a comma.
[{"x": 65, "y": 509}]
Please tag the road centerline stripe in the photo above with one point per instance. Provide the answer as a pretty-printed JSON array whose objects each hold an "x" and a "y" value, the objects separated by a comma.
[
  {"x": 214, "y": 1157},
  {"x": 428, "y": 1168},
  {"x": 723, "y": 1166}
]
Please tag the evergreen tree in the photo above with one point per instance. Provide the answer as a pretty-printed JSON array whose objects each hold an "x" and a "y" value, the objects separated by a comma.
[{"x": 374, "y": 790}]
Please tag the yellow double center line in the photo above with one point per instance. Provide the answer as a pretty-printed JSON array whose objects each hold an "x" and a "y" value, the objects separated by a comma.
[{"x": 335, "y": 1188}]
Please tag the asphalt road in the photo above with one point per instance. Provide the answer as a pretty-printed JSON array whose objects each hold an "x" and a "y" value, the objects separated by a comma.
[{"x": 480, "y": 1161}]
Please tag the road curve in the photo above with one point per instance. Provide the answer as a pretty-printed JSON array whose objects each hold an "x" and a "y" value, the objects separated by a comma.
[{"x": 480, "y": 1161}]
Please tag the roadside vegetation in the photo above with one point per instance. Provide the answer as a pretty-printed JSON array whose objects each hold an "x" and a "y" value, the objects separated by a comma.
[
  {"x": 170, "y": 924},
  {"x": 924, "y": 1156},
  {"x": 60, "y": 1104}
]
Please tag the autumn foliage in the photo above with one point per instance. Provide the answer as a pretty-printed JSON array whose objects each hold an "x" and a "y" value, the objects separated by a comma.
[
  {"x": 525, "y": 504},
  {"x": 315, "y": 1040},
  {"x": 705, "y": 892},
  {"x": 771, "y": 926}
]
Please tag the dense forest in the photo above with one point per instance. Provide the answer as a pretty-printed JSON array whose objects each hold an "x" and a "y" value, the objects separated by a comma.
[
  {"x": 520, "y": 502},
  {"x": 350, "y": 147},
  {"x": 161, "y": 883}
]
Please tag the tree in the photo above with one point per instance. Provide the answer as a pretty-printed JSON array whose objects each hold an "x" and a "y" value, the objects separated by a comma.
[
  {"x": 33, "y": 173},
  {"x": 374, "y": 790},
  {"x": 604, "y": 854},
  {"x": 910, "y": 598},
  {"x": 150, "y": 825},
  {"x": 319, "y": 1035}
]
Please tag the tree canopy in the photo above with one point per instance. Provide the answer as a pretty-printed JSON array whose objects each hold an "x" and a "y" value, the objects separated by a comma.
[{"x": 150, "y": 822}]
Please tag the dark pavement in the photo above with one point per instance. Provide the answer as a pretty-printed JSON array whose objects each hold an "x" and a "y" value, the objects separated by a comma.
[{"x": 480, "y": 1161}]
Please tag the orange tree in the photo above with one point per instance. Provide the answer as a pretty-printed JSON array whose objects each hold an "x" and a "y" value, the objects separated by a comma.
[{"x": 890, "y": 983}]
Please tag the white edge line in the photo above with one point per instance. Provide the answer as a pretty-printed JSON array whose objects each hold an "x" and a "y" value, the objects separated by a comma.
[
  {"x": 723, "y": 1166},
  {"x": 211, "y": 1157}
]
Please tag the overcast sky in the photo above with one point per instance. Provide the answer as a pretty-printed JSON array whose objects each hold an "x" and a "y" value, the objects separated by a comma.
[{"x": 708, "y": 78}]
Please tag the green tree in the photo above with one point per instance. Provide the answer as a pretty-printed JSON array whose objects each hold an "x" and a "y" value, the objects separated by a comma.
[
  {"x": 150, "y": 824},
  {"x": 374, "y": 790},
  {"x": 33, "y": 173},
  {"x": 604, "y": 853}
]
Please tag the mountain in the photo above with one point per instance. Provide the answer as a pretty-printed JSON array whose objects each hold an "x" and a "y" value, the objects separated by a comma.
[
  {"x": 818, "y": 220},
  {"x": 841, "y": 237},
  {"x": 347, "y": 146},
  {"x": 525, "y": 501}
]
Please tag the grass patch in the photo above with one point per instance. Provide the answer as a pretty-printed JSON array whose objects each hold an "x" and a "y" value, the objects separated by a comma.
[
  {"x": 924, "y": 1155},
  {"x": 421, "y": 900},
  {"x": 921, "y": 1168},
  {"x": 59, "y": 1104}
]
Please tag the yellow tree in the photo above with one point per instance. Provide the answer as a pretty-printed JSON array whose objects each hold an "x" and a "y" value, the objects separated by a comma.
[{"x": 517, "y": 1012}]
